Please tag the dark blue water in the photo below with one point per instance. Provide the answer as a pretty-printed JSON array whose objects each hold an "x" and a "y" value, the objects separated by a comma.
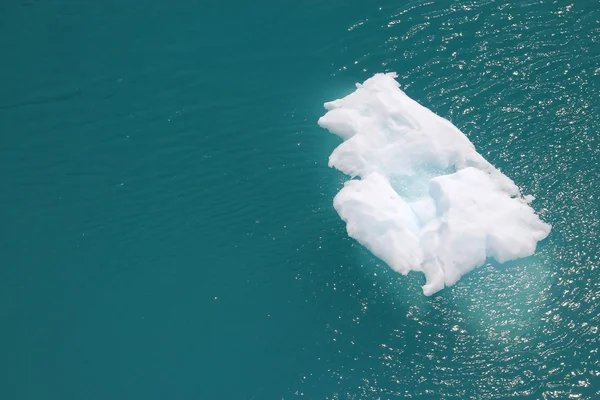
[{"x": 167, "y": 220}]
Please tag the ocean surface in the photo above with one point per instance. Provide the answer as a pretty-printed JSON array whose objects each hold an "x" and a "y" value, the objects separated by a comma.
[{"x": 166, "y": 208}]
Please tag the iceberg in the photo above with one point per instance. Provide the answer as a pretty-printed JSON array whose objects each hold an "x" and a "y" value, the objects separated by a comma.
[{"x": 421, "y": 198}]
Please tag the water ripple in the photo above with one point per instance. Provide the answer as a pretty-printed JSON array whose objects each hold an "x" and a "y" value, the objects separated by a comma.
[{"x": 522, "y": 81}]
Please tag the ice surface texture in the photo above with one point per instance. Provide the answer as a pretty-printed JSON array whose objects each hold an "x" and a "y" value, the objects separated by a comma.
[{"x": 426, "y": 200}]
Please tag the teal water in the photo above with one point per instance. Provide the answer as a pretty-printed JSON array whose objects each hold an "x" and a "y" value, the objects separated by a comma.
[{"x": 167, "y": 220}]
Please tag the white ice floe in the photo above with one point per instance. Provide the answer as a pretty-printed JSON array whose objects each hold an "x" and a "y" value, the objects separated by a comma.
[{"x": 426, "y": 200}]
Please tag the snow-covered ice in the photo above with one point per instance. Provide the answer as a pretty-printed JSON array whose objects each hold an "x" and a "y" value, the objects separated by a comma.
[{"x": 425, "y": 199}]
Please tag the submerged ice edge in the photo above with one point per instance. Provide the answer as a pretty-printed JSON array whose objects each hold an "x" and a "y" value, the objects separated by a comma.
[{"x": 407, "y": 212}]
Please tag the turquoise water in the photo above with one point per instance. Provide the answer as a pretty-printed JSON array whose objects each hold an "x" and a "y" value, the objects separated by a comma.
[{"x": 168, "y": 229}]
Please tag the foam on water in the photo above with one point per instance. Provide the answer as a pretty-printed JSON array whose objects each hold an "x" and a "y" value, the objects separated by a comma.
[{"x": 426, "y": 200}]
